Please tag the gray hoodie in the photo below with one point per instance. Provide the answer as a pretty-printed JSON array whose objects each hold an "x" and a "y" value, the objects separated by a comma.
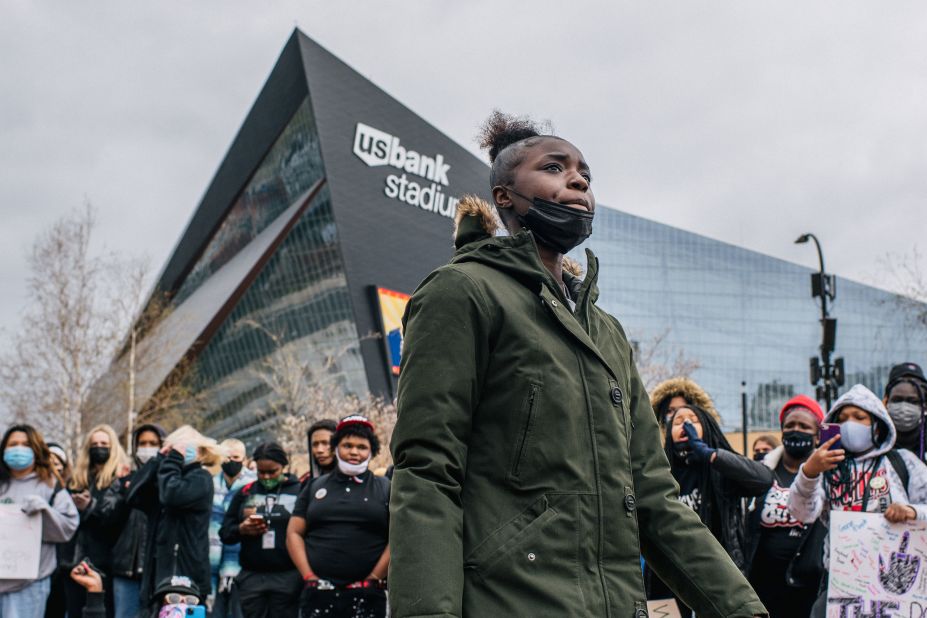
[
  {"x": 59, "y": 521},
  {"x": 807, "y": 500}
]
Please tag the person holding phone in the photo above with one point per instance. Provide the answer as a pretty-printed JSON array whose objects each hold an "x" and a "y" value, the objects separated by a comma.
[
  {"x": 867, "y": 474},
  {"x": 712, "y": 479},
  {"x": 28, "y": 481},
  {"x": 257, "y": 518},
  {"x": 775, "y": 539}
]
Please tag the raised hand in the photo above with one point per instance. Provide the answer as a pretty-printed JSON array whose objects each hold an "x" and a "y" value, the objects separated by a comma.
[
  {"x": 902, "y": 569},
  {"x": 823, "y": 459}
]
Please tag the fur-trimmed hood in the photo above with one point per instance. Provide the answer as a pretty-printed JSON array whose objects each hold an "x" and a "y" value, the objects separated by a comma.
[
  {"x": 688, "y": 390},
  {"x": 475, "y": 220}
]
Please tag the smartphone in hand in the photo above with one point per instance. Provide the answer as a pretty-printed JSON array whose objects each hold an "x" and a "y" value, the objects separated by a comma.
[{"x": 828, "y": 431}]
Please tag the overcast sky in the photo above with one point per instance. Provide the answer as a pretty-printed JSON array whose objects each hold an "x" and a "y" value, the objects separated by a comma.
[{"x": 746, "y": 123}]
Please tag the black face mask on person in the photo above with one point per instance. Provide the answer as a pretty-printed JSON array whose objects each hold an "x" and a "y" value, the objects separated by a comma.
[
  {"x": 798, "y": 444},
  {"x": 558, "y": 226},
  {"x": 99, "y": 455},
  {"x": 231, "y": 468}
]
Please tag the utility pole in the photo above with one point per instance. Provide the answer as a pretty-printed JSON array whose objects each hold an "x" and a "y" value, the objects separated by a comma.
[
  {"x": 826, "y": 376},
  {"x": 743, "y": 412}
]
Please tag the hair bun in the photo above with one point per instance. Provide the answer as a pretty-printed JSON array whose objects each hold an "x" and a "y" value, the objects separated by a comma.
[{"x": 502, "y": 130}]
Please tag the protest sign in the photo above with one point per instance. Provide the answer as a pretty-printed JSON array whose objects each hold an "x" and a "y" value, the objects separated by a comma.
[
  {"x": 20, "y": 543},
  {"x": 877, "y": 568},
  {"x": 663, "y": 608}
]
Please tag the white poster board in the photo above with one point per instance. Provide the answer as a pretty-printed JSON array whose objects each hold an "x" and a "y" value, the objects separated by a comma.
[
  {"x": 20, "y": 543},
  {"x": 876, "y": 568},
  {"x": 663, "y": 608}
]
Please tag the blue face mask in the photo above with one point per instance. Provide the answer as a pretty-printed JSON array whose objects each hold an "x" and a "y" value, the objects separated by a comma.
[
  {"x": 189, "y": 455},
  {"x": 18, "y": 457}
]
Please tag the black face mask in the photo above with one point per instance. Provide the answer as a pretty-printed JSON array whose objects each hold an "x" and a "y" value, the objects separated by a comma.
[
  {"x": 231, "y": 468},
  {"x": 681, "y": 450},
  {"x": 557, "y": 226},
  {"x": 759, "y": 456},
  {"x": 99, "y": 455},
  {"x": 798, "y": 444}
]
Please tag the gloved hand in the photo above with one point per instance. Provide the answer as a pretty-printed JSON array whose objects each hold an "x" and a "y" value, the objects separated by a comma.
[
  {"x": 699, "y": 451},
  {"x": 33, "y": 504}
]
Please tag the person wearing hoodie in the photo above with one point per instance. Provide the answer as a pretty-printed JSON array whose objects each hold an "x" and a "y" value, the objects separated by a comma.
[
  {"x": 674, "y": 393},
  {"x": 865, "y": 475},
  {"x": 906, "y": 401},
  {"x": 257, "y": 518},
  {"x": 775, "y": 539},
  {"x": 712, "y": 479},
  {"x": 528, "y": 474},
  {"x": 223, "y": 558},
  {"x": 175, "y": 492},
  {"x": 28, "y": 481},
  {"x": 129, "y": 551}
]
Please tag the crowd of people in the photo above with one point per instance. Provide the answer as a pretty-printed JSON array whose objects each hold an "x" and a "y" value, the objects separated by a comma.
[
  {"x": 770, "y": 511},
  {"x": 187, "y": 526}
]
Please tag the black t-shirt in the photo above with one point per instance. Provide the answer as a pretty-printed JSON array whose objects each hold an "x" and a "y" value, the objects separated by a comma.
[
  {"x": 347, "y": 524},
  {"x": 267, "y": 552},
  {"x": 689, "y": 478},
  {"x": 780, "y": 533}
]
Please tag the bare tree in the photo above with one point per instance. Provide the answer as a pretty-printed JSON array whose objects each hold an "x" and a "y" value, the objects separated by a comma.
[
  {"x": 301, "y": 394},
  {"x": 907, "y": 277},
  {"x": 77, "y": 313},
  {"x": 657, "y": 360}
]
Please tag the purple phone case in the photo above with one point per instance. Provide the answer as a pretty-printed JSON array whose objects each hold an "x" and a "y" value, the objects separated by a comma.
[{"x": 828, "y": 431}]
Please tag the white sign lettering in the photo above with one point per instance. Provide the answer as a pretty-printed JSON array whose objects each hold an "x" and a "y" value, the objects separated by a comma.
[{"x": 377, "y": 148}]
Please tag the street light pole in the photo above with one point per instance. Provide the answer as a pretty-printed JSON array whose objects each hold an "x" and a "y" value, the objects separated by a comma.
[{"x": 831, "y": 374}]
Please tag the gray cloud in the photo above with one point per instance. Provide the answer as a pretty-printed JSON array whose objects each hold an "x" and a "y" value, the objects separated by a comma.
[{"x": 747, "y": 123}]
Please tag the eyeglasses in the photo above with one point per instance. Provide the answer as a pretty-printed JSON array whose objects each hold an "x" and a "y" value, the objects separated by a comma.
[{"x": 175, "y": 598}]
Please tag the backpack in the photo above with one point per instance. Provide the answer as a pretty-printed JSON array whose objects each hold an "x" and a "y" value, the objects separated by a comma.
[{"x": 901, "y": 469}]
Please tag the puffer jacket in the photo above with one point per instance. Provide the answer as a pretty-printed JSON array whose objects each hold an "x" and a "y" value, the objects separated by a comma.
[
  {"x": 529, "y": 469},
  {"x": 807, "y": 497}
]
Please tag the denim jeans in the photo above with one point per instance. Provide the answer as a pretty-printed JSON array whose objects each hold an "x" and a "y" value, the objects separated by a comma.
[
  {"x": 125, "y": 597},
  {"x": 26, "y": 603}
]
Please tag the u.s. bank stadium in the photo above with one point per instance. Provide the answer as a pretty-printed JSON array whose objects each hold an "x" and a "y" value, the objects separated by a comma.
[{"x": 335, "y": 200}]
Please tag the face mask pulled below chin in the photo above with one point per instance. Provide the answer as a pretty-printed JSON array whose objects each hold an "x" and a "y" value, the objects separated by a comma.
[
  {"x": 350, "y": 469},
  {"x": 557, "y": 226},
  {"x": 906, "y": 416},
  {"x": 856, "y": 437}
]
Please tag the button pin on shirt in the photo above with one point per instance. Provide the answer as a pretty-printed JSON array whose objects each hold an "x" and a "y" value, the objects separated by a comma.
[{"x": 321, "y": 493}]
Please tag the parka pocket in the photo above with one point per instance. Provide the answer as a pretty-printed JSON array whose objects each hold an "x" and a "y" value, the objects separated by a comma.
[
  {"x": 528, "y": 417},
  {"x": 532, "y": 561}
]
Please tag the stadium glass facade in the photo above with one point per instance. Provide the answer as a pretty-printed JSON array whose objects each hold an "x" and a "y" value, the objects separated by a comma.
[
  {"x": 736, "y": 316},
  {"x": 303, "y": 229}
]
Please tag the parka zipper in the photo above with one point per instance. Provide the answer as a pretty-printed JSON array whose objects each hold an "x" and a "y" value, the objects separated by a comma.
[{"x": 526, "y": 430}]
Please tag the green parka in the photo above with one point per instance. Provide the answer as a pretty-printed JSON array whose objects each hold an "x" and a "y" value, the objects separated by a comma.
[{"x": 530, "y": 473}]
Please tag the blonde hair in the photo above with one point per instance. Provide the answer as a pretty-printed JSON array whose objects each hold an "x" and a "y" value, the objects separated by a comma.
[
  {"x": 208, "y": 452},
  {"x": 230, "y": 444},
  {"x": 108, "y": 471}
]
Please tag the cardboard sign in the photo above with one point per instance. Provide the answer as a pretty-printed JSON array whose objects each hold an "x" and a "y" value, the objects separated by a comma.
[
  {"x": 876, "y": 568},
  {"x": 663, "y": 608},
  {"x": 20, "y": 543}
]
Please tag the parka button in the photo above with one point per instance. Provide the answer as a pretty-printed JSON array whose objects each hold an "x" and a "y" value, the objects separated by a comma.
[
  {"x": 532, "y": 557},
  {"x": 641, "y": 613},
  {"x": 554, "y": 303},
  {"x": 616, "y": 396},
  {"x": 630, "y": 503}
]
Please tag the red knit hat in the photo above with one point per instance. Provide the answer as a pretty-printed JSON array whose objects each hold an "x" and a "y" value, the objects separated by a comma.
[{"x": 802, "y": 401}]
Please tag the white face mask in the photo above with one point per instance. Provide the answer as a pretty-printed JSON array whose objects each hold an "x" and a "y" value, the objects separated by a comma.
[
  {"x": 144, "y": 453},
  {"x": 351, "y": 469},
  {"x": 856, "y": 437},
  {"x": 905, "y": 415}
]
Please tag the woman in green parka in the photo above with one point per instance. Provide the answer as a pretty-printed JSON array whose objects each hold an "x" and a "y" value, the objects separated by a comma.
[{"x": 530, "y": 474}]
